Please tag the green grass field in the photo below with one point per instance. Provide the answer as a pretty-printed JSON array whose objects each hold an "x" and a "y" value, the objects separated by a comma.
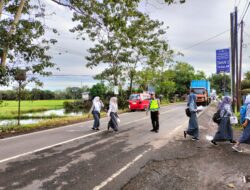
[{"x": 9, "y": 109}]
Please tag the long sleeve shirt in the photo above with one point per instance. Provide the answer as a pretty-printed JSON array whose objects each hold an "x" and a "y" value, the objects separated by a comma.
[
  {"x": 113, "y": 108},
  {"x": 96, "y": 106},
  {"x": 192, "y": 103}
]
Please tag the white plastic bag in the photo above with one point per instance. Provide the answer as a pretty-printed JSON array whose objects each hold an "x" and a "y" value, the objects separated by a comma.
[
  {"x": 118, "y": 120},
  {"x": 233, "y": 120}
]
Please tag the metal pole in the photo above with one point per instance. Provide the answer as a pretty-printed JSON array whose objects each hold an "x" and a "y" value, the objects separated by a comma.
[
  {"x": 224, "y": 84},
  {"x": 232, "y": 57},
  {"x": 19, "y": 102},
  {"x": 236, "y": 58},
  {"x": 241, "y": 46}
]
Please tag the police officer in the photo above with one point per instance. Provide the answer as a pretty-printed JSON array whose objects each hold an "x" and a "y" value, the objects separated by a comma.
[{"x": 154, "y": 106}]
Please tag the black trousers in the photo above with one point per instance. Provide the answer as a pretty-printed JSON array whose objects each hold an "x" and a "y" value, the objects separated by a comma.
[{"x": 155, "y": 120}]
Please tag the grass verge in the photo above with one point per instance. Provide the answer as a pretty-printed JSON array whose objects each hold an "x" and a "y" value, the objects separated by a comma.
[{"x": 9, "y": 109}]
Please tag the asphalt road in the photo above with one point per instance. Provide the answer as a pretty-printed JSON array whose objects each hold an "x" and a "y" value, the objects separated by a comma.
[{"x": 75, "y": 157}]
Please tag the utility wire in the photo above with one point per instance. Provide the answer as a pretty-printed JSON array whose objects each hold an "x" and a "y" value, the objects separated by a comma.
[
  {"x": 204, "y": 41},
  {"x": 63, "y": 75},
  {"x": 244, "y": 12}
]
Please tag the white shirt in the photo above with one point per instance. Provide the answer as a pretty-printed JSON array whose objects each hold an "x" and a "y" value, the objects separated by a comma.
[
  {"x": 113, "y": 108},
  {"x": 96, "y": 106}
]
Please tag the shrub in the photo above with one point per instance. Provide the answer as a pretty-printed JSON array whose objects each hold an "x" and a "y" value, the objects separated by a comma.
[{"x": 77, "y": 106}]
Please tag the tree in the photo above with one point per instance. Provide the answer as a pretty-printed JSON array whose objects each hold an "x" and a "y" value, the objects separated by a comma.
[
  {"x": 165, "y": 84},
  {"x": 12, "y": 28},
  {"x": 106, "y": 26},
  {"x": 144, "y": 78},
  {"x": 200, "y": 75},
  {"x": 23, "y": 43},
  {"x": 145, "y": 46},
  {"x": 73, "y": 93},
  {"x": 220, "y": 82},
  {"x": 184, "y": 73},
  {"x": 98, "y": 89},
  {"x": 121, "y": 34},
  {"x": 245, "y": 84}
]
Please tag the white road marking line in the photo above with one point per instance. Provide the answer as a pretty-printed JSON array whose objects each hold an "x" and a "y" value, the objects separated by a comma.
[
  {"x": 68, "y": 141},
  {"x": 48, "y": 147},
  {"x": 43, "y": 131},
  {"x": 104, "y": 183}
]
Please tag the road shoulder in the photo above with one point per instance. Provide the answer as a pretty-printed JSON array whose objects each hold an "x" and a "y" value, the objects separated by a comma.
[{"x": 187, "y": 164}]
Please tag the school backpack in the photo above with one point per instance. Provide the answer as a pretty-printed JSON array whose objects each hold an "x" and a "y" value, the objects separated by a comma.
[
  {"x": 188, "y": 113},
  {"x": 216, "y": 117},
  {"x": 243, "y": 111}
]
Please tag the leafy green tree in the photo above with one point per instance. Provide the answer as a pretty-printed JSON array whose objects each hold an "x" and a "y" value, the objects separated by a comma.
[
  {"x": 25, "y": 45},
  {"x": 106, "y": 28},
  {"x": 145, "y": 46},
  {"x": 98, "y": 89},
  {"x": 73, "y": 93},
  {"x": 184, "y": 73},
  {"x": 165, "y": 84},
  {"x": 122, "y": 36},
  {"x": 220, "y": 83},
  {"x": 200, "y": 75},
  {"x": 245, "y": 84},
  {"x": 145, "y": 77}
]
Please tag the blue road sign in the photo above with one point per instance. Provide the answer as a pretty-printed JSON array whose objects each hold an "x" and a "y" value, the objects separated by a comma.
[{"x": 222, "y": 61}]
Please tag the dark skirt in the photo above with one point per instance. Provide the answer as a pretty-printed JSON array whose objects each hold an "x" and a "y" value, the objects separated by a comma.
[
  {"x": 225, "y": 131},
  {"x": 113, "y": 121},
  {"x": 245, "y": 137},
  {"x": 193, "y": 128},
  {"x": 96, "y": 116}
]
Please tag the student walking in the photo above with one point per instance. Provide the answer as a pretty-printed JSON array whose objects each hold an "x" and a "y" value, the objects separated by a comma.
[
  {"x": 154, "y": 106},
  {"x": 95, "y": 110},
  {"x": 193, "y": 128},
  {"x": 245, "y": 118},
  {"x": 225, "y": 131},
  {"x": 112, "y": 113}
]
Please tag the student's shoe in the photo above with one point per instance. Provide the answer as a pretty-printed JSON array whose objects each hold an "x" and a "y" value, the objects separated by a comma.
[
  {"x": 195, "y": 139},
  {"x": 97, "y": 129},
  {"x": 93, "y": 128},
  {"x": 213, "y": 142},
  {"x": 232, "y": 141},
  {"x": 152, "y": 130},
  {"x": 156, "y": 131},
  {"x": 185, "y": 134},
  {"x": 237, "y": 148}
]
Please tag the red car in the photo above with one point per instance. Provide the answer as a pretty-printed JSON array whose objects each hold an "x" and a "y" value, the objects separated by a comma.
[{"x": 139, "y": 101}]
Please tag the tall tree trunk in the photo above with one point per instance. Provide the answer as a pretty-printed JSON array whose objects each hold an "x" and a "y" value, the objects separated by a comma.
[
  {"x": 12, "y": 29},
  {"x": 131, "y": 83},
  {"x": 1, "y": 8}
]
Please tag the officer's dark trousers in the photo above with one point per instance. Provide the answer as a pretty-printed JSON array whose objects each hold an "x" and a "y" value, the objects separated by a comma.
[{"x": 155, "y": 120}]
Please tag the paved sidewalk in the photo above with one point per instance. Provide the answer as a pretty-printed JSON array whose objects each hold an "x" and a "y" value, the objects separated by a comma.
[{"x": 195, "y": 165}]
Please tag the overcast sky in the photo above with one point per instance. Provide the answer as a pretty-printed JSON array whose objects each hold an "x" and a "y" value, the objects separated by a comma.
[{"x": 189, "y": 23}]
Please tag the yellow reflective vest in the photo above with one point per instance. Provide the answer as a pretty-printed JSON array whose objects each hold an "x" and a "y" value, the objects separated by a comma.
[{"x": 154, "y": 105}]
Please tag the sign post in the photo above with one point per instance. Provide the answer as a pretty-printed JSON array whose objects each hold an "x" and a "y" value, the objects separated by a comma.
[
  {"x": 116, "y": 90},
  {"x": 223, "y": 64},
  {"x": 222, "y": 61}
]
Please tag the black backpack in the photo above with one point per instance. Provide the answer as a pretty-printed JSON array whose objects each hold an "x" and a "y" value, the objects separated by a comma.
[
  {"x": 188, "y": 113},
  {"x": 216, "y": 117}
]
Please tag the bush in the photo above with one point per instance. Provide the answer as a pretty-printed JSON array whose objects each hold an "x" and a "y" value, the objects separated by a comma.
[
  {"x": 245, "y": 91},
  {"x": 77, "y": 106},
  {"x": 98, "y": 89},
  {"x": 123, "y": 99}
]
